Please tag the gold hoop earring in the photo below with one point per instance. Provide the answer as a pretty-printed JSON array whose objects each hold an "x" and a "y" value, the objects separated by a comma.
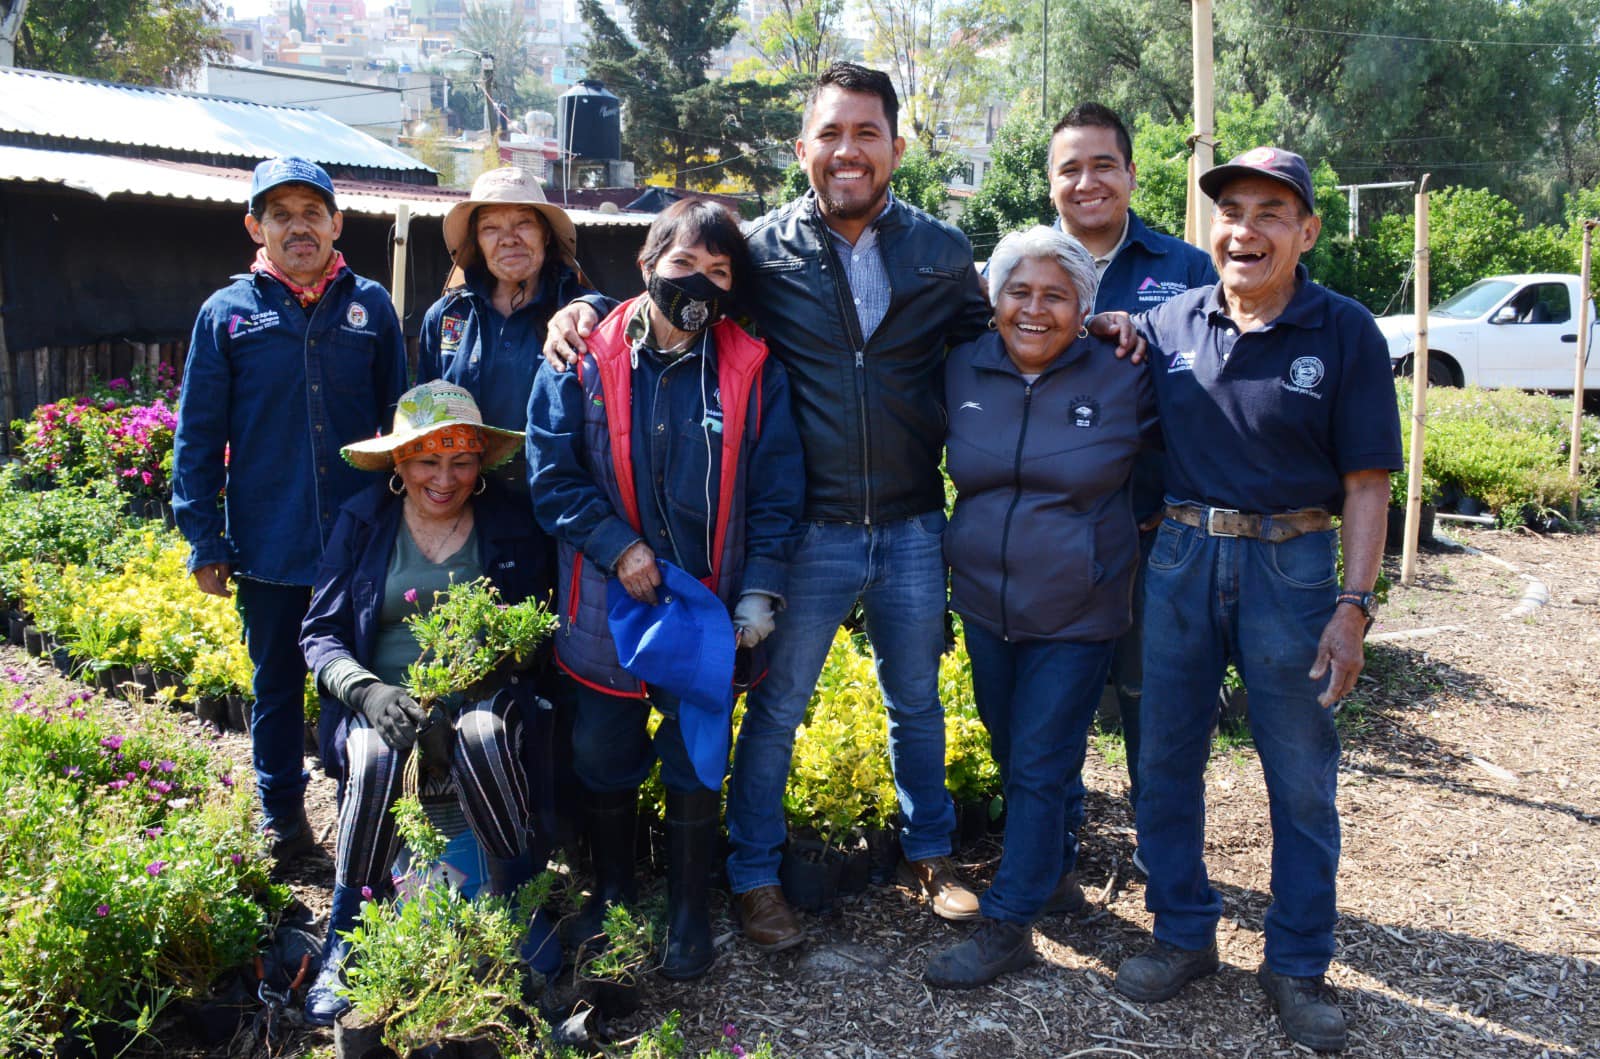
[
  {"x": 1083, "y": 332},
  {"x": 397, "y": 485},
  {"x": 483, "y": 483},
  {"x": 992, "y": 325}
]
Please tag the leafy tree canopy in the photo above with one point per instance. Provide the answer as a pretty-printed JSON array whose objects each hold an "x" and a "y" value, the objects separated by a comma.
[{"x": 148, "y": 42}]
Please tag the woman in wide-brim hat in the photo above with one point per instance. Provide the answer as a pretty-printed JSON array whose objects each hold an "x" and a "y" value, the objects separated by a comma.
[
  {"x": 516, "y": 263},
  {"x": 434, "y": 519}
]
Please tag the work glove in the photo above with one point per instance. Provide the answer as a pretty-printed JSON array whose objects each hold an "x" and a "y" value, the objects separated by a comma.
[
  {"x": 436, "y": 743},
  {"x": 391, "y": 711},
  {"x": 752, "y": 618}
]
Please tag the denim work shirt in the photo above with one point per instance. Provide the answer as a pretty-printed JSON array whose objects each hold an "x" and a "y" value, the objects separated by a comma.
[{"x": 271, "y": 391}]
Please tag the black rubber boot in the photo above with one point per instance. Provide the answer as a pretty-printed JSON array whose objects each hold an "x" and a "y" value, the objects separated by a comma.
[
  {"x": 692, "y": 821},
  {"x": 612, "y": 821}
]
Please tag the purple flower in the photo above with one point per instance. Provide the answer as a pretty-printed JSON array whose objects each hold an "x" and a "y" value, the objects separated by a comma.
[
  {"x": 237, "y": 858},
  {"x": 152, "y": 832},
  {"x": 144, "y": 766},
  {"x": 165, "y": 765},
  {"x": 116, "y": 785},
  {"x": 226, "y": 779},
  {"x": 411, "y": 595},
  {"x": 117, "y": 384},
  {"x": 366, "y": 893},
  {"x": 161, "y": 786},
  {"x": 112, "y": 742},
  {"x": 72, "y": 771},
  {"x": 729, "y": 1030},
  {"x": 156, "y": 867},
  {"x": 102, "y": 910}
]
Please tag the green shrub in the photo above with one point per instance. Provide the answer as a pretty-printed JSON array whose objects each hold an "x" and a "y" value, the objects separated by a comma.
[
  {"x": 58, "y": 526},
  {"x": 130, "y": 869},
  {"x": 1507, "y": 448}
]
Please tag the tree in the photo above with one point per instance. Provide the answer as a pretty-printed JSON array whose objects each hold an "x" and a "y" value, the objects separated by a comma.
[
  {"x": 678, "y": 123},
  {"x": 493, "y": 28},
  {"x": 933, "y": 49},
  {"x": 803, "y": 37},
  {"x": 1015, "y": 192},
  {"x": 155, "y": 42}
]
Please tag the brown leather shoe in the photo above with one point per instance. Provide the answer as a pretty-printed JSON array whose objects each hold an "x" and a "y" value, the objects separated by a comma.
[
  {"x": 937, "y": 880},
  {"x": 768, "y": 921}
]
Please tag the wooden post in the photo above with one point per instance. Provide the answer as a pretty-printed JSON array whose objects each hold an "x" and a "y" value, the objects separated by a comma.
[
  {"x": 8, "y": 380},
  {"x": 1197, "y": 229},
  {"x": 397, "y": 282},
  {"x": 1582, "y": 362},
  {"x": 1419, "y": 394}
]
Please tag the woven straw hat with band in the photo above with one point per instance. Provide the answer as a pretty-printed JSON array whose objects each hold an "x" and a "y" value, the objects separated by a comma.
[
  {"x": 429, "y": 418},
  {"x": 509, "y": 186}
]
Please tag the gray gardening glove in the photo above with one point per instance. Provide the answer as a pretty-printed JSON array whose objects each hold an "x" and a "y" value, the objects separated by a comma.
[
  {"x": 753, "y": 618},
  {"x": 391, "y": 711}
]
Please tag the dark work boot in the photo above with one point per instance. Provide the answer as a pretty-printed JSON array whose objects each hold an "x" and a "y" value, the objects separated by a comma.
[
  {"x": 1308, "y": 1008},
  {"x": 997, "y": 947},
  {"x": 1161, "y": 971},
  {"x": 691, "y": 845},
  {"x": 323, "y": 1002},
  {"x": 612, "y": 820}
]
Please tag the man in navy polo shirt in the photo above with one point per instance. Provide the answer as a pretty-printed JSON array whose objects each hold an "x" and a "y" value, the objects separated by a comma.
[
  {"x": 1092, "y": 177},
  {"x": 1277, "y": 404},
  {"x": 288, "y": 362}
]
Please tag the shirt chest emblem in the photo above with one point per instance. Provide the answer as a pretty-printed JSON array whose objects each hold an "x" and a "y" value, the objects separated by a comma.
[
  {"x": 450, "y": 329},
  {"x": 1085, "y": 411},
  {"x": 1180, "y": 361},
  {"x": 240, "y": 325},
  {"x": 1305, "y": 375},
  {"x": 356, "y": 315}
]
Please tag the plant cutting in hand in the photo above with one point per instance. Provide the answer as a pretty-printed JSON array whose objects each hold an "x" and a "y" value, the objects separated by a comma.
[{"x": 466, "y": 635}]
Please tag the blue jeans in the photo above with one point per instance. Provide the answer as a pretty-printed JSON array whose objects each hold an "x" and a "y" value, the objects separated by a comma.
[
  {"x": 271, "y": 615},
  {"x": 1037, "y": 698},
  {"x": 1127, "y": 674},
  {"x": 897, "y": 571},
  {"x": 1209, "y": 600},
  {"x": 612, "y": 750}
]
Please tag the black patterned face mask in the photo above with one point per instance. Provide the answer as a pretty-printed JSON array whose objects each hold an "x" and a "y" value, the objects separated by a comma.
[{"x": 690, "y": 303}]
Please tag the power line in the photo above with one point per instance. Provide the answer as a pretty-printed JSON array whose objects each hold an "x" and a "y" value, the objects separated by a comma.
[{"x": 1429, "y": 40}]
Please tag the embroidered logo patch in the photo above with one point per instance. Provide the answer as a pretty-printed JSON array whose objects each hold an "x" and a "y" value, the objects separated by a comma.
[
  {"x": 1181, "y": 361},
  {"x": 356, "y": 315},
  {"x": 1085, "y": 411},
  {"x": 239, "y": 326},
  {"x": 1304, "y": 376},
  {"x": 450, "y": 329}
]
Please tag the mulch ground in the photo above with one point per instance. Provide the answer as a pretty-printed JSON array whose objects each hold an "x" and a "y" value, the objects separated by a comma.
[{"x": 1469, "y": 888}]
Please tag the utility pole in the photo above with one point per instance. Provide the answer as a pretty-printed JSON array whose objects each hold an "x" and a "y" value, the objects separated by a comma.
[
  {"x": 490, "y": 129},
  {"x": 1585, "y": 325},
  {"x": 1044, "y": 71},
  {"x": 1197, "y": 227},
  {"x": 11, "y": 12},
  {"x": 1419, "y": 394}
]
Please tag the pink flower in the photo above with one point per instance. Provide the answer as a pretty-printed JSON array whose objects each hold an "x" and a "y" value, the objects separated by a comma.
[
  {"x": 102, "y": 910},
  {"x": 165, "y": 765},
  {"x": 152, "y": 832},
  {"x": 156, "y": 867},
  {"x": 116, "y": 785},
  {"x": 117, "y": 384},
  {"x": 237, "y": 858},
  {"x": 366, "y": 893},
  {"x": 411, "y": 595},
  {"x": 226, "y": 779},
  {"x": 112, "y": 742}
]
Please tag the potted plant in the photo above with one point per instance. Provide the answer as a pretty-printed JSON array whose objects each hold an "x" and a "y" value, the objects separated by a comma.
[{"x": 609, "y": 978}]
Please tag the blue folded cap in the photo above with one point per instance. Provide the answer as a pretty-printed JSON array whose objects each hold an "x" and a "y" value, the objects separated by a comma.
[
  {"x": 275, "y": 172},
  {"x": 685, "y": 646}
]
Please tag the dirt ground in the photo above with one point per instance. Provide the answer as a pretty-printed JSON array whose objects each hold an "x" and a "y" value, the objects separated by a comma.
[{"x": 1469, "y": 889}]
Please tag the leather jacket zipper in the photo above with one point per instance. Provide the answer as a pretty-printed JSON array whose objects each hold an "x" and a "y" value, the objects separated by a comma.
[{"x": 852, "y": 326}]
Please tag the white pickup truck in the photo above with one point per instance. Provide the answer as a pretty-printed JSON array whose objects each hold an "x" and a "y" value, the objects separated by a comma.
[{"x": 1518, "y": 331}]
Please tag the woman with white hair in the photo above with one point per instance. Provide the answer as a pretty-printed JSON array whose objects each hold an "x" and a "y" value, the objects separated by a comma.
[{"x": 1044, "y": 426}]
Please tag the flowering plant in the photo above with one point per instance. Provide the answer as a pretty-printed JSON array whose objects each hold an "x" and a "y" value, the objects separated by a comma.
[{"x": 466, "y": 634}]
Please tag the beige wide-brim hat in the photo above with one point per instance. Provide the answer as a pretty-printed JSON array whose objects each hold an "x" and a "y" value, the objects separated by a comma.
[
  {"x": 421, "y": 411},
  {"x": 510, "y": 186}
]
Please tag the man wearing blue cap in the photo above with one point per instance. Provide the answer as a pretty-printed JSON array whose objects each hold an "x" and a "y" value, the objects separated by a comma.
[
  {"x": 1277, "y": 403},
  {"x": 287, "y": 363}
]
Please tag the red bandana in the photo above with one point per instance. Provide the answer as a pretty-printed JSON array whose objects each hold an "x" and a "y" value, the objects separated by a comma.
[{"x": 308, "y": 296}]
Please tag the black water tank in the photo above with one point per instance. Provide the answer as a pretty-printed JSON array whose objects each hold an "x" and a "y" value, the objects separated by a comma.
[{"x": 589, "y": 122}]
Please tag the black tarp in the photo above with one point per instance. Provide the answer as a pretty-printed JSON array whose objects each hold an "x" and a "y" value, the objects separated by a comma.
[{"x": 77, "y": 269}]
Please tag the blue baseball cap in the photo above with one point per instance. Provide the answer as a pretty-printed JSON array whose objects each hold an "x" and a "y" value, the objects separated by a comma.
[
  {"x": 683, "y": 645},
  {"x": 1285, "y": 167},
  {"x": 276, "y": 172}
]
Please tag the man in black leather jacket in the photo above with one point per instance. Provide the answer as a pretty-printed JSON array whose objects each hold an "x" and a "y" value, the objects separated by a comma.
[{"x": 859, "y": 295}]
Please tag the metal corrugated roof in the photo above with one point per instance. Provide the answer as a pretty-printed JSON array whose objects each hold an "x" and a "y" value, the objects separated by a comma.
[
  {"x": 108, "y": 175},
  {"x": 72, "y": 108}
]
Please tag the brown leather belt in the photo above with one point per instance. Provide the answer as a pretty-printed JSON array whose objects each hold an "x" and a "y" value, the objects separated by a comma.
[{"x": 1225, "y": 522}]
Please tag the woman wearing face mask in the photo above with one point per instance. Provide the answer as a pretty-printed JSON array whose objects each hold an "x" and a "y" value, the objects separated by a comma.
[{"x": 671, "y": 439}]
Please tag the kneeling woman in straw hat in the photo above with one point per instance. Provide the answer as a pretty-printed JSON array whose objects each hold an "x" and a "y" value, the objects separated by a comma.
[
  {"x": 515, "y": 263},
  {"x": 436, "y": 519},
  {"x": 670, "y": 443}
]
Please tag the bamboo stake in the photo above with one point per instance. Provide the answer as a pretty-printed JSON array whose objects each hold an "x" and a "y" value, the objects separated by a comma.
[
  {"x": 397, "y": 282},
  {"x": 1419, "y": 393},
  {"x": 1581, "y": 362},
  {"x": 1197, "y": 229}
]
